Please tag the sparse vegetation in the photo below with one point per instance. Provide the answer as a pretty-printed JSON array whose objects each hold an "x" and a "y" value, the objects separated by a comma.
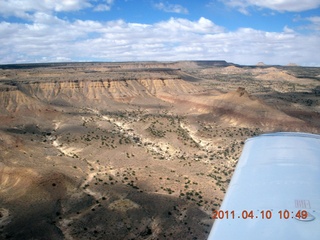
[{"x": 109, "y": 147}]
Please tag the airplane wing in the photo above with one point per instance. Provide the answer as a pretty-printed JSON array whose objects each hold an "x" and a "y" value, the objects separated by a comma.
[{"x": 274, "y": 192}]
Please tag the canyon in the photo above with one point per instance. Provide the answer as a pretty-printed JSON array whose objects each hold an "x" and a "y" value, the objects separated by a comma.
[{"x": 135, "y": 150}]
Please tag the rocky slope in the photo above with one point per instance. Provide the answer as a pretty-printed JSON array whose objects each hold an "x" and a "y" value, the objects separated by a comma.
[
  {"x": 134, "y": 150},
  {"x": 100, "y": 92}
]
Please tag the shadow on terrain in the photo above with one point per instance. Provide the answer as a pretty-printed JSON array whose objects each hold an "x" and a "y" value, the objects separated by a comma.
[{"x": 135, "y": 215}]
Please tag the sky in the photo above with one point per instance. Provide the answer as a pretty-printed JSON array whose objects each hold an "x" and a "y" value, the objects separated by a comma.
[{"x": 239, "y": 31}]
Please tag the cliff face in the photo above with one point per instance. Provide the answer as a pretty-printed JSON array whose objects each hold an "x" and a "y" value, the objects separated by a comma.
[
  {"x": 13, "y": 100},
  {"x": 237, "y": 108},
  {"x": 116, "y": 86},
  {"x": 32, "y": 87},
  {"x": 86, "y": 93}
]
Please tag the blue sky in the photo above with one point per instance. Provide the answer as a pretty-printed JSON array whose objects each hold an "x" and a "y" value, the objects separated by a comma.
[{"x": 239, "y": 31}]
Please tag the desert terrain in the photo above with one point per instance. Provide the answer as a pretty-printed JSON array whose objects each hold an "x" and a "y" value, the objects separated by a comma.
[{"x": 135, "y": 150}]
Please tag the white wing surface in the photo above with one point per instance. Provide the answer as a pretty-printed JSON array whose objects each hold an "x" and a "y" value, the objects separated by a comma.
[{"x": 274, "y": 192}]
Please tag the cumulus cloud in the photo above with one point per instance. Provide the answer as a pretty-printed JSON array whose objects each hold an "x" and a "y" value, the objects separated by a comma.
[
  {"x": 104, "y": 6},
  {"x": 315, "y": 23},
  {"x": 203, "y": 25},
  {"x": 277, "y": 5},
  {"x": 174, "y": 8},
  {"x": 22, "y": 8},
  {"x": 311, "y": 23},
  {"x": 49, "y": 38},
  {"x": 26, "y": 8},
  {"x": 286, "y": 29},
  {"x": 315, "y": 19}
]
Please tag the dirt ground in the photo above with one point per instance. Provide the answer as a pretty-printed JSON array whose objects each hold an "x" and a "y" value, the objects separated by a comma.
[{"x": 135, "y": 150}]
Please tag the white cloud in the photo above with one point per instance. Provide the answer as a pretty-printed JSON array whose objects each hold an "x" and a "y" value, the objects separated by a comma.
[
  {"x": 241, "y": 5},
  {"x": 104, "y": 6},
  {"x": 26, "y": 8},
  {"x": 315, "y": 20},
  {"x": 49, "y": 38},
  {"x": 286, "y": 29},
  {"x": 203, "y": 25},
  {"x": 174, "y": 8},
  {"x": 65, "y": 5},
  {"x": 22, "y": 8},
  {"x": 315, "y": 23},
  {"x": 277, "y": 5},
  {"x": 311, "y": 23}
]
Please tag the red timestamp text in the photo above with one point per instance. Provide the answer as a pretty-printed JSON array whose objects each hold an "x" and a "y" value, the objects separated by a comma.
[{"x": 263, "y": 214}]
